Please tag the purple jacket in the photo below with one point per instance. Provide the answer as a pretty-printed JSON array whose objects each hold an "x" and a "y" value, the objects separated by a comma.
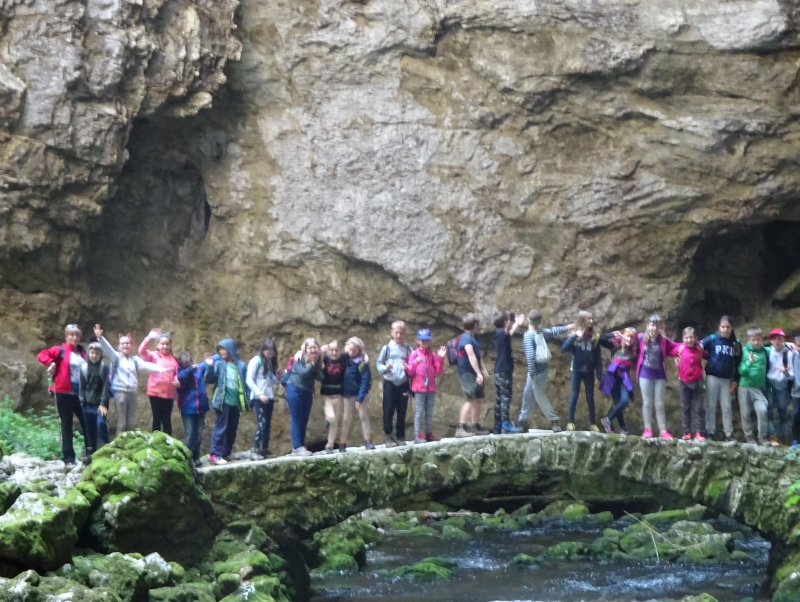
[
  {"x": 617, "y": 368},
  {"x": 669, "y": 348}
]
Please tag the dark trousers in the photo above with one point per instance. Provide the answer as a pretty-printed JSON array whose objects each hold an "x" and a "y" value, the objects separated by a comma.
[
  {"x": 224, "y": 434},
  {"x": 587, "y": 378},
  {"x": 395, "y": 401},
  {"x": 796, "y": 418},
  {"x": 67, "y": 406},
  {"x": 502, "y": 402},
  {"x": 162, "y": 414},
  {"x": 693, "y": 408},
  {"x": 193, "y": 433},
  {"x": 96, "y": 433},
  {"x": 621, "y": 397},
  {"x": 263, "y": 424},
  {"x": 299, "y": 402}
]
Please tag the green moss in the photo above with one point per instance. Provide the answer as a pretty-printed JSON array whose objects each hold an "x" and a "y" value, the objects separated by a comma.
[
  {"x": 450, "y": 532},
  {"x": 227, "y": 583},
  {"x": 424, "y": 571},
  {"x": 667, "y": 517},
  {"x": 612, "y": 534},
  {"x": 402, "y": 525},
  {"x": 418, "y": 531},
  {"x": 575, "y": 512},
  {"x": 9, "y": 492},
  {"x": 603, "y": 547},
  {"x": 706, "y": 552},
  {"x": 455, "y": 521},
  {"x": 739, "y": 555},
  {"x": 245, "y": 564},
  {"x": 523, "y": 560},
  {"x": 337, "y": 563},
  {"x": 788, "y": 589},
  {"x": 602, "y": 517},
  {"x": 555, "y": 509},
  {"x": 566, "y": 550},
  {"x": 522, "y": 511},
  {"x": 188, "y": 592}
]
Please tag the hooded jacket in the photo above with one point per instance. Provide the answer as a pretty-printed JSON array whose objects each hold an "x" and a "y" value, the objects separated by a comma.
[
  {"x": 753, "y": 374},
  {"x": 669, "y": 348},
  {"x": 424, "y": 363},
  {"x": 397, "y": 355},
  {"x": 192, "y": 397},
  {"x": 357, "y": 379},
  {"x": 218, "y": 373},
  {"x": 160, "y": 384},
  {"x": 722, "y": 358},
  {"x": 587, "y": 353},
  {"x": 690, "y": 369},
  {"x": 95, "y": 385},
  {"x": 59, "y": 355}
]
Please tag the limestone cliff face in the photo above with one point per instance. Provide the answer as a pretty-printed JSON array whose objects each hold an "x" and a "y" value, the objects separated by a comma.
[{"x": 417, "y": 159}]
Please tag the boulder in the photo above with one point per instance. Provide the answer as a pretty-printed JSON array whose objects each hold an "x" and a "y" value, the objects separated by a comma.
[
  {"x": 259, "y": 589},
  {"x": 450, "y": 532},
  {"x": 188, "y": 592},
  {"x": 575, "y": 512}
]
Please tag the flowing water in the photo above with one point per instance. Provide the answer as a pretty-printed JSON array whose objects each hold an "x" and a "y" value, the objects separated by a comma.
[{"x": 484, "y": 575}]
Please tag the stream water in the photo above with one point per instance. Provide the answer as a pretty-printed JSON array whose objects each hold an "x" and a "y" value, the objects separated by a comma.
[{"x": 484, "y": 574}]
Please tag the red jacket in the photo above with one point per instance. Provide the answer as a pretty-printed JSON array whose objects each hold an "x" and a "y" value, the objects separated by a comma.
[
  {"x": 424, "y": 363},
  {"x": 690, "y": 369},
  {"x": 60, "y": 356}
]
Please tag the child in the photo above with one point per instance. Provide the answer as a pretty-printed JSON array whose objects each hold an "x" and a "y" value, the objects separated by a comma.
[
  {"x": 306, "y": 368},
  {"x": 753, "y": 371},
  {"x": 586, "y": 365},
  {"x": 690, "y": 374},
  {"x": 617, "y": 382},
  {"x": 506, "y": 324},
  {"x": 192, "y": 402},
  {"x": 124, "y": 377},
  {"x": 64, "y": 364},
  {"x": 161, "y": 386},
  {"x": 780, "y": 375},
  {"x": 724, "y": 353},
  {"x": 471, "y": 374},
  {"x": 94, "y": 393},
  {"x": 355, "y": 388},
  {"x": 391, "y": 364},
  {"x": 262, "y": 376},
  {"x": 537, "y": 355},
  {"x": 334, "y": 364},
  {"x": 796, "y": 393},
  {"x": 229, "y": 374},
  {"x": 651, "y": 370},
  {"x": 423, "y": 367}
]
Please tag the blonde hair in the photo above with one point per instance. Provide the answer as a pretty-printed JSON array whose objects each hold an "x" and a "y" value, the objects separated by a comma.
[
  {"x": 355, "y": 341},
  {"x": 399, "y": 325},
  {"x": 688, "y": 331},
  {"x": 304, "y": 346},
  {"x": 72, "y": 329},
  {"x": 583, "y": 323},
  {"x": 334, "y": 343}
]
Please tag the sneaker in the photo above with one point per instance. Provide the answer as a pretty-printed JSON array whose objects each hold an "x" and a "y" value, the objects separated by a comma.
[
  {"x": 606, "y": 424},
  {"x": 265, "y": 453},
  {"x": 699, "y": 437},
  {"x": 430, "y": 437},
  {"x": 401, "y": 441},
  {"x": 525, "y": 425},
  {"x": 773, "y": 441},
  {"x": 764, "y": 442},
  {"x": 795, "y": 444},
  {"x": 198, "y": 463},
  {"x": 368, "y": 444},
  {"x": 687, "y": 437},
  {"x": 301, "y": 451},
  {"x": 666, "y": 436},
  {"x": 594, "y": 428},
  {"x": 86, "y": 460},
  {"x": 420, "y": 438},
  {"x": 328, "y": 450},
  {"x": 730, "y": 438},
  {"x": 508, "y": 427},
  {"x": 647, "y": 434},
  {"x": 342, "y": 447},
  {"x": 570, "y": 426},
  {"x": 212, "y": 459},
  {"x": 623, "y": 432},
  {"x": 390, "y": 441},
  {"x": 478, "y": 430},
  {"x": 556, "y": 426},
  {"x": 462, "y": 432}
]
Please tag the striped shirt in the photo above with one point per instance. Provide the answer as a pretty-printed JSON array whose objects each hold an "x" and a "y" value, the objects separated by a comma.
[{"x": 529, "y": 346}]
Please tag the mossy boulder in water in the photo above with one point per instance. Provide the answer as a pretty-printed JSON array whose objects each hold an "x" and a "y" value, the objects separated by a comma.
[
  {"x": 347, "y": 539},
  {"x": 188, "y": 592},
  {"x": 428, "y": 569},
  {"x": 450, "y": 532},
  {"x": 149, "y": 498},
  {"x": 259, "y": 589},
  {"x": 575, "y": 512},
  {"x": 30, "y": 587},
  {"x": 566, "y": 550},
  {"x": 523, "y": 560},
  {"x": 667, "y": 517}
]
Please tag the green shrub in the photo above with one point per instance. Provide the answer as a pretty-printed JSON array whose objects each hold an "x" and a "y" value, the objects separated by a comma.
[{"x": 31, "y": 433}]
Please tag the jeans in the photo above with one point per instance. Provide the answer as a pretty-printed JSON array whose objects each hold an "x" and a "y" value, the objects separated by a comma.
[
  {"x": 263, "y": 423},
  {"x": 395, "y": 401},
  {"x": 718, "y": 389},
  {"x": 621, "y": 397},
  {"x": 502, "y": 383},
  {"x": 653, "y": 393},
  {"x": 423, "y": 412},
  {"x": 777, "y": 399},
  {"x": 587, "y": 378},
  {"x": 535, "y": 393},
  {"x": 162, "y": 414},
  {"x": 349, "y": 404},
  {"x": 796, "y": 418},
  {"x": 125, "y": 405},
  {"x": 693, "y": 408},
  {"x": 67, "y": 405},
  {"x": 750, "y": 399},
  {"x": 224, "y": 434},
  {"x": 193, "y": 433},
  {"x": 96, "y": 433},
  {"x": 299, "y": 402}
]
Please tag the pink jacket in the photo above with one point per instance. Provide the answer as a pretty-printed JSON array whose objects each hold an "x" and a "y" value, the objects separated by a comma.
[
  {"x": 160, "y": 385},
  {"x": 669, "y": 348},
  {"x": 690, "y": 369},
  {"x": 423, "y": 363}
]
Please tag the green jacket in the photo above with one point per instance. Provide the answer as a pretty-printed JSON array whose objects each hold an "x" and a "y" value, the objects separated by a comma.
[{"x": 754, "y": 374}]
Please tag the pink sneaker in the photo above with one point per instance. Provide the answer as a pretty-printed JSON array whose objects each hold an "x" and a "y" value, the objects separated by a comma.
[
  {"x": 687, "y": 437},
  {"x": 666, "y": 436},
  {"x": 647, "y": 434},
  {"x": 699, "y": 437}
]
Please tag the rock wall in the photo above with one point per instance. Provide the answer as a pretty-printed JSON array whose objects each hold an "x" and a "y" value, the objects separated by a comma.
[{"x": 411, "y": 159}]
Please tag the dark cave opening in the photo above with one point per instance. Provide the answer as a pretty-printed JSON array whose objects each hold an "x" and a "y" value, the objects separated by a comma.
[{"x": 738, "y": 271}]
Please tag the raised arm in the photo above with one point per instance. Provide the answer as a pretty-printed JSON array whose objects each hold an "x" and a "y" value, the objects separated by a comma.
[
  {"x": 148, "y": 366},
  {"x": 144, "y": 351},
  {"x": 108, "y": 350}
]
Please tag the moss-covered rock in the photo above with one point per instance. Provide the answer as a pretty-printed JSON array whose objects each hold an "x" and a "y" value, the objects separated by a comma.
[
  {"x": 259, "y": 589},
  {"x": 187, "y": 592},
  {"x": 422, "y": 531},
  {"x": 428, "y": 569},
  {"x": 245, "y": 564},
  {"x": 149, "y": 498},
  {"x": 602, "y": 518},
  {"x": 337, "y": 563},
  {"x": 349, "y": 538},
  {"x": 612, "y": 534},
  {"x": 524, "y": 560},
  {"x": 501, "y": 522},
  {"x": 567, "y": 550},
  {"x": 32, "y": 588},
  {"x": 450, "y": 532},
  {"x": 9, "y": 492},
  {"x": 603, "y": 547},
  {"x": 575, "y": 512},
  {"x": 667, "y": 517},
  {"x": 455, "y": 521},
  {"x": 554, "y": 509}
]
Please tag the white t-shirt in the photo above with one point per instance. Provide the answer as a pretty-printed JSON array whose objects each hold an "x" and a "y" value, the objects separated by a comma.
[{"x": 75, "y": 363}]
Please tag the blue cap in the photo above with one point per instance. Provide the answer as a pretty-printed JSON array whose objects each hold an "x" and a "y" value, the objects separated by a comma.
[{"x": 424, "y": 334}]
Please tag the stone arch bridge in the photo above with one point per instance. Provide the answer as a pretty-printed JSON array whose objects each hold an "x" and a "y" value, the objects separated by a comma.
[{"x": 303, "y": 495}]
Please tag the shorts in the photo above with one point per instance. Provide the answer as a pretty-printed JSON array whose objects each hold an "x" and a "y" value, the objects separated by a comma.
[{"x": 469, "y": 384}]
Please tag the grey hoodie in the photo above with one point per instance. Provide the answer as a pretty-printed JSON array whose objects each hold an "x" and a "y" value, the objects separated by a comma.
[{"x": 398, "y": 355}]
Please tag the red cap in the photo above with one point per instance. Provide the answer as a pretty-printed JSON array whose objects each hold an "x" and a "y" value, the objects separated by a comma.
[{"x": 777, "y": 332}]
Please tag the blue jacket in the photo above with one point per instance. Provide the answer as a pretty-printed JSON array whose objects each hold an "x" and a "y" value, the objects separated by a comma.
[
  {"x": 724, "y": 356},
  {"x": 216, "y": 374},
  {"x": 192, "y": 398},
  {"x": 357, "y": 379}
]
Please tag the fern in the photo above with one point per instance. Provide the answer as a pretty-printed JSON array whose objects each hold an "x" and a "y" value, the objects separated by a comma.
[{"x": 31, "y": 433}]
